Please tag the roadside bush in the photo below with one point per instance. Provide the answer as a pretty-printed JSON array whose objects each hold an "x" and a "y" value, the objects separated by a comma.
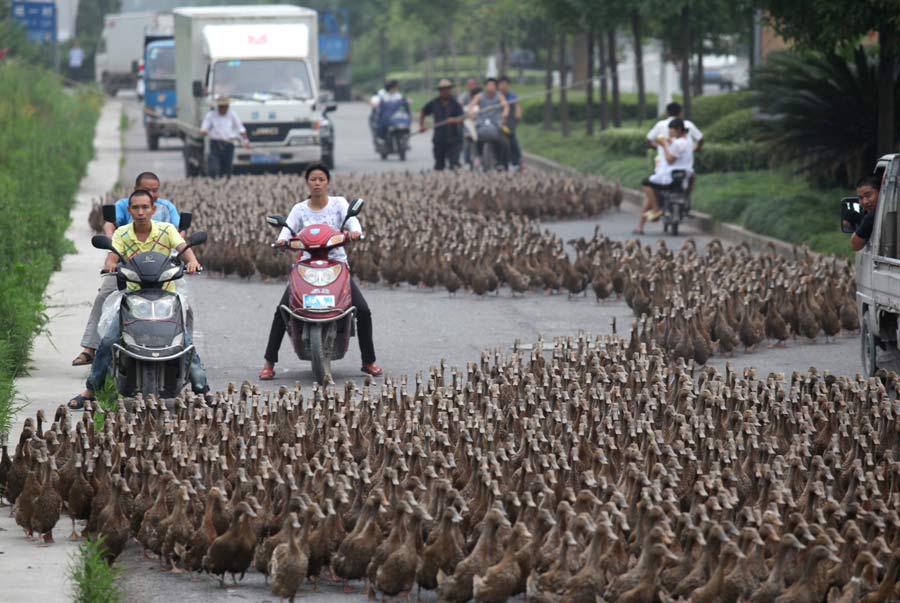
[
  {"x": 732, "y": 157},
  {"x": 708, "y": 109},
  {"x": 93, "y": 579},
  {"x": 734, "y": 127},
  {"x": 626, "y": 141},
  {"x": 46, "y": 141},
  {"x": 533, "y": 108}
]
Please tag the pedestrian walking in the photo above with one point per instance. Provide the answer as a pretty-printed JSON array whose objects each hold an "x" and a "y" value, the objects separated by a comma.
[
  {"x": 76, "y": 61},
  {"x": 448, "y": 117},
  {"x": 223, "y": 127},
  {"x": 512, "y": 120}
]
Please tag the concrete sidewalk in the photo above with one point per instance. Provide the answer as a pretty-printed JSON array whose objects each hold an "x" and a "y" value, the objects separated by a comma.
[{"x": 31, "y": 572}]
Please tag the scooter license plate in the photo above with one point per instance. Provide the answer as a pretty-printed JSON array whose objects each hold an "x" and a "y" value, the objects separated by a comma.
[
  {"x": 266, "y": 158},
  {"x": 318, "y": 302}
]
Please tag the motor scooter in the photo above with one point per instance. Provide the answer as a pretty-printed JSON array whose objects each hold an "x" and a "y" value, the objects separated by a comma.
[
  {"x": 151, "y": 355},
  {"x": 395, "y": 121},
  {"x": 676, "y": 202},
  {"x": 319, "y": 314}
]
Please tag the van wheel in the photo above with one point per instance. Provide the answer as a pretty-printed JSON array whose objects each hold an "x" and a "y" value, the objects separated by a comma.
[
  {"x": 868, "y": 349},
  {"x": 153, "y": 141}
]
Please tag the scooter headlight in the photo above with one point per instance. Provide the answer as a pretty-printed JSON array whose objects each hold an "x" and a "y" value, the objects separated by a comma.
[
  {"x": 168, "y": 273},
  {"x": 319, "y": 277},
  {"x": 149, "y": 309},
  {"x": 129, "y": 274},
  {"x": 336, "y": 240}
]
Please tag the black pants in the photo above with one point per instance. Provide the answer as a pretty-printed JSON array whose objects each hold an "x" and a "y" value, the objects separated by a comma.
[
  {"x": 446, "y": 153},
  {"x": 221, "y": 157},
  {"x": 515, "y": 152},
  {"x": 363, "y": 327},
  {"x": 501, "y": 151}
]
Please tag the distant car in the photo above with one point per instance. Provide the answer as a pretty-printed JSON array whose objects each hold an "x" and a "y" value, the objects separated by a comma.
[
  {"x": 718, "y": 77},
  {"x": 522, "y": 57}
]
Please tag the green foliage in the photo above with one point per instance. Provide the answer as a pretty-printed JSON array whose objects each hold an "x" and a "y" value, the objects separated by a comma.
[
  {"x": 533, "y": 108},
  {"x": 734, "y": 127},
  {"x": 732, "y": 157},
  {"x": 93, "y": 579},
  {"x": 625, "y": 141},
  {"x": 46, "y": 141},
  {"x": 708, "y": 109},
  {"x": 821, "y": 111},
  {"x": 107, "y": 397}
]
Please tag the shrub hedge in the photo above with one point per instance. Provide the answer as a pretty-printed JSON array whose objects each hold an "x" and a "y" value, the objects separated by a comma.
[
  {"x": 533, "y": 108},
  {"x": 46, "y": 141},
  {"x": 734, "y": 127},
  {"x": 708, "y": 109}
]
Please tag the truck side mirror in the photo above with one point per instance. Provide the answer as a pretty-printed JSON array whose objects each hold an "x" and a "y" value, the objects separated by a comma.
[
  {"x": 329, "y": 108},
  {"x": 197, "y": 89},
  {"x": 851, "y": 214}
]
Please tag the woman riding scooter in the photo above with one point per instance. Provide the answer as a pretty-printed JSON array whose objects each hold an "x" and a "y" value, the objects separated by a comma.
[{"x": 322, "y": 209}]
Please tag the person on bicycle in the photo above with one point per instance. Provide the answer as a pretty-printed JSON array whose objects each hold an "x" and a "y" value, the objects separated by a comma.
[
  {"x": 490, "y": 109},
  {"x": 677, "y": 154}
]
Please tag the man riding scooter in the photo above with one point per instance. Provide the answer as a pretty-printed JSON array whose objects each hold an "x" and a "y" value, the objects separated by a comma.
[{"x": 143, "y": 234}]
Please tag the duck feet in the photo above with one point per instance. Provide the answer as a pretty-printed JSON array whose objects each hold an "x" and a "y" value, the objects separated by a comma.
[
  {"x": 73, "y": 536},
  {"x": 347, "y": 588},
  {"x": 48, "y": 539},
  {"x": 176, "y": 569}
]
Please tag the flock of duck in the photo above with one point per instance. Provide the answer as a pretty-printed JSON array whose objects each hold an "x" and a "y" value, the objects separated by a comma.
[
  {"x": 425, "y": 228},
  {"x": 583, "y": 469}
]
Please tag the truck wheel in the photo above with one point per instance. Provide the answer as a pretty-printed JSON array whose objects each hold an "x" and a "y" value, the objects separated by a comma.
[
  {"x": 328, "y": 161},
  {"x": 190, "y": 170},
  {"x": 152, "y": 141},
  {"x": 321, "y": 364},
  {"x": 868, "y": 348},
  {"x": 674, "y": 229}
]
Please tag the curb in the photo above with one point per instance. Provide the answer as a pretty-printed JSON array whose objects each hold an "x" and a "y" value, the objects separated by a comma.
[
  {"x": 705, "y": 222},
  {"x": 34, "y": 573}
]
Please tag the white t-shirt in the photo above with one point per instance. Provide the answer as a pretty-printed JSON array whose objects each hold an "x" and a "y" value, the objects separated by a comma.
[
  {"x": 76, "y": 57},
  {"x": 383, "y": 96},
  {"x": 223, "y": 127},
  {"x": 661, "y": 128},
  {"x": 683, "y": 150},
  {"x": 332, "y": 214}
]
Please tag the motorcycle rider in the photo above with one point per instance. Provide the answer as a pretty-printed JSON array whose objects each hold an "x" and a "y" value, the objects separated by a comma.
[
  {"x": 321, "y": 208},
  {"x": 387, "y": 100},
  {"x": 165, "y": 212},
  {"x": 143, "y": 234},
  {"x": 677, "y": 153},
  {"x": 491, "y": 106}
]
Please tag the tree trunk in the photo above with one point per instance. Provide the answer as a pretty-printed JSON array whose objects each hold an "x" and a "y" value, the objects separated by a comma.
[
  {"x": 563, "y": 88},
  {"x": 639, "y": 66},
  {"x": 504, "y": 55},
  {"x": 604, "y": 84},
  {"x": 589, "y": 96},
  {"x": 614, "y": 76},
  {"x": 698, "y": 76},
  {"x": 382, "y": 52},
  {"x": 887, "y": 67},
  {"x": 454, "y": 58},
  {"x": 548, "y": 84},
  {"x": 686, "y": 60}
]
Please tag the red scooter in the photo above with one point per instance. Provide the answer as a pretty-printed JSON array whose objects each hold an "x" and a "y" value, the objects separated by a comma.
[{"x": 319, "y": 315}]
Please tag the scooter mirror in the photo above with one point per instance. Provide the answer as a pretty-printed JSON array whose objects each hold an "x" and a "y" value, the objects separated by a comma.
[
  {"x": 197, "y": 238},
  {"x": 102, "y": 242},
  {"x": 355, "y": 208},
  {"x": 277, "y": 221}
]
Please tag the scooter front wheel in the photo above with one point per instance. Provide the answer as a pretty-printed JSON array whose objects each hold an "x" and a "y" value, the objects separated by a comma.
[{"x": 321, "y": 364}]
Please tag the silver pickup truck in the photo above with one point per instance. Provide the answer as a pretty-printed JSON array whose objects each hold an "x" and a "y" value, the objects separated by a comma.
[{"x": 878, "y": 267}]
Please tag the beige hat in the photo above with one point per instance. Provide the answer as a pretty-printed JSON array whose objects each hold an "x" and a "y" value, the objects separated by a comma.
[
  {"x": 222, "y": 100},
  {"x": 444, "y": 83}
]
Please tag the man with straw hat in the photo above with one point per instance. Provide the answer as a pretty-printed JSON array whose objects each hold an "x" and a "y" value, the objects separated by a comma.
[
  {"x": 223, "y": 127},
  {"x": 448, "y": 116}
]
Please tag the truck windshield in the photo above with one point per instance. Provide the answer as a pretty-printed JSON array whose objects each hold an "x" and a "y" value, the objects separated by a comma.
[
  {"x": 160, "y": 63},
  {"x": 261, "y": 78}
]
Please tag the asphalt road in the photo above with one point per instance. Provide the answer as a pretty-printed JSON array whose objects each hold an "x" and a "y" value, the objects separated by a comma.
[{"x": 414, "y": 328}]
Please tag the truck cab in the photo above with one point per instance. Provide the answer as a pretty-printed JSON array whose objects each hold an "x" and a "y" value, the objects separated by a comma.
[
  {"x": 264, "y": 59},
  {"x": 159, "y": 90},
  {"x": 877, "y": 267}
]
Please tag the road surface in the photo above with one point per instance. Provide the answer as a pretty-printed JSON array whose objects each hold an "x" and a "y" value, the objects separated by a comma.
[{"x": 414, "y": 328}]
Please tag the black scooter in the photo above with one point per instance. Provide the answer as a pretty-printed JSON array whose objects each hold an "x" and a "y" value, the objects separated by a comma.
[{"x": 150, "y": 356}]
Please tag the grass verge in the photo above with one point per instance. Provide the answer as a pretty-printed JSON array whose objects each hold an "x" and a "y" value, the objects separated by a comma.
[
  {"x": 93, "y": 579},
  {"x": 776, "y": 203},
  {"x": 46, "y": 141}
]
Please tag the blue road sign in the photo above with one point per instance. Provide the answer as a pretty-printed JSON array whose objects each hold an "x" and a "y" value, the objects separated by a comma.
[{"x": 38, "y": 18}]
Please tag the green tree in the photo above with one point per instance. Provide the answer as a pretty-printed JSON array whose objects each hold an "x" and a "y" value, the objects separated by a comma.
[{"x": 830, "y": 25}]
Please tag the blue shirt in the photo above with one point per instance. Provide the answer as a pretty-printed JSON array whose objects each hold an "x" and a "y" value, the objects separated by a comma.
[
  {"x": 511, "y": 98},
  {"x": 165, "y": 212}
]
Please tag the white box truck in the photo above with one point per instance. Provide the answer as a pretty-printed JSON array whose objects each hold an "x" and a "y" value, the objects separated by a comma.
[
  {"x": 122, "y": 46},
  {"x": 265, "y": 59}
]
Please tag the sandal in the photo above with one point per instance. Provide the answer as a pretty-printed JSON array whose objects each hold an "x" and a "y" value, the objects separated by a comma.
[
  {"x": 267, "y": 374},
  {"x": 372, "y": 369},
  {"x": 79, "y": 401},
  {"x": 82, "y": 359}
]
